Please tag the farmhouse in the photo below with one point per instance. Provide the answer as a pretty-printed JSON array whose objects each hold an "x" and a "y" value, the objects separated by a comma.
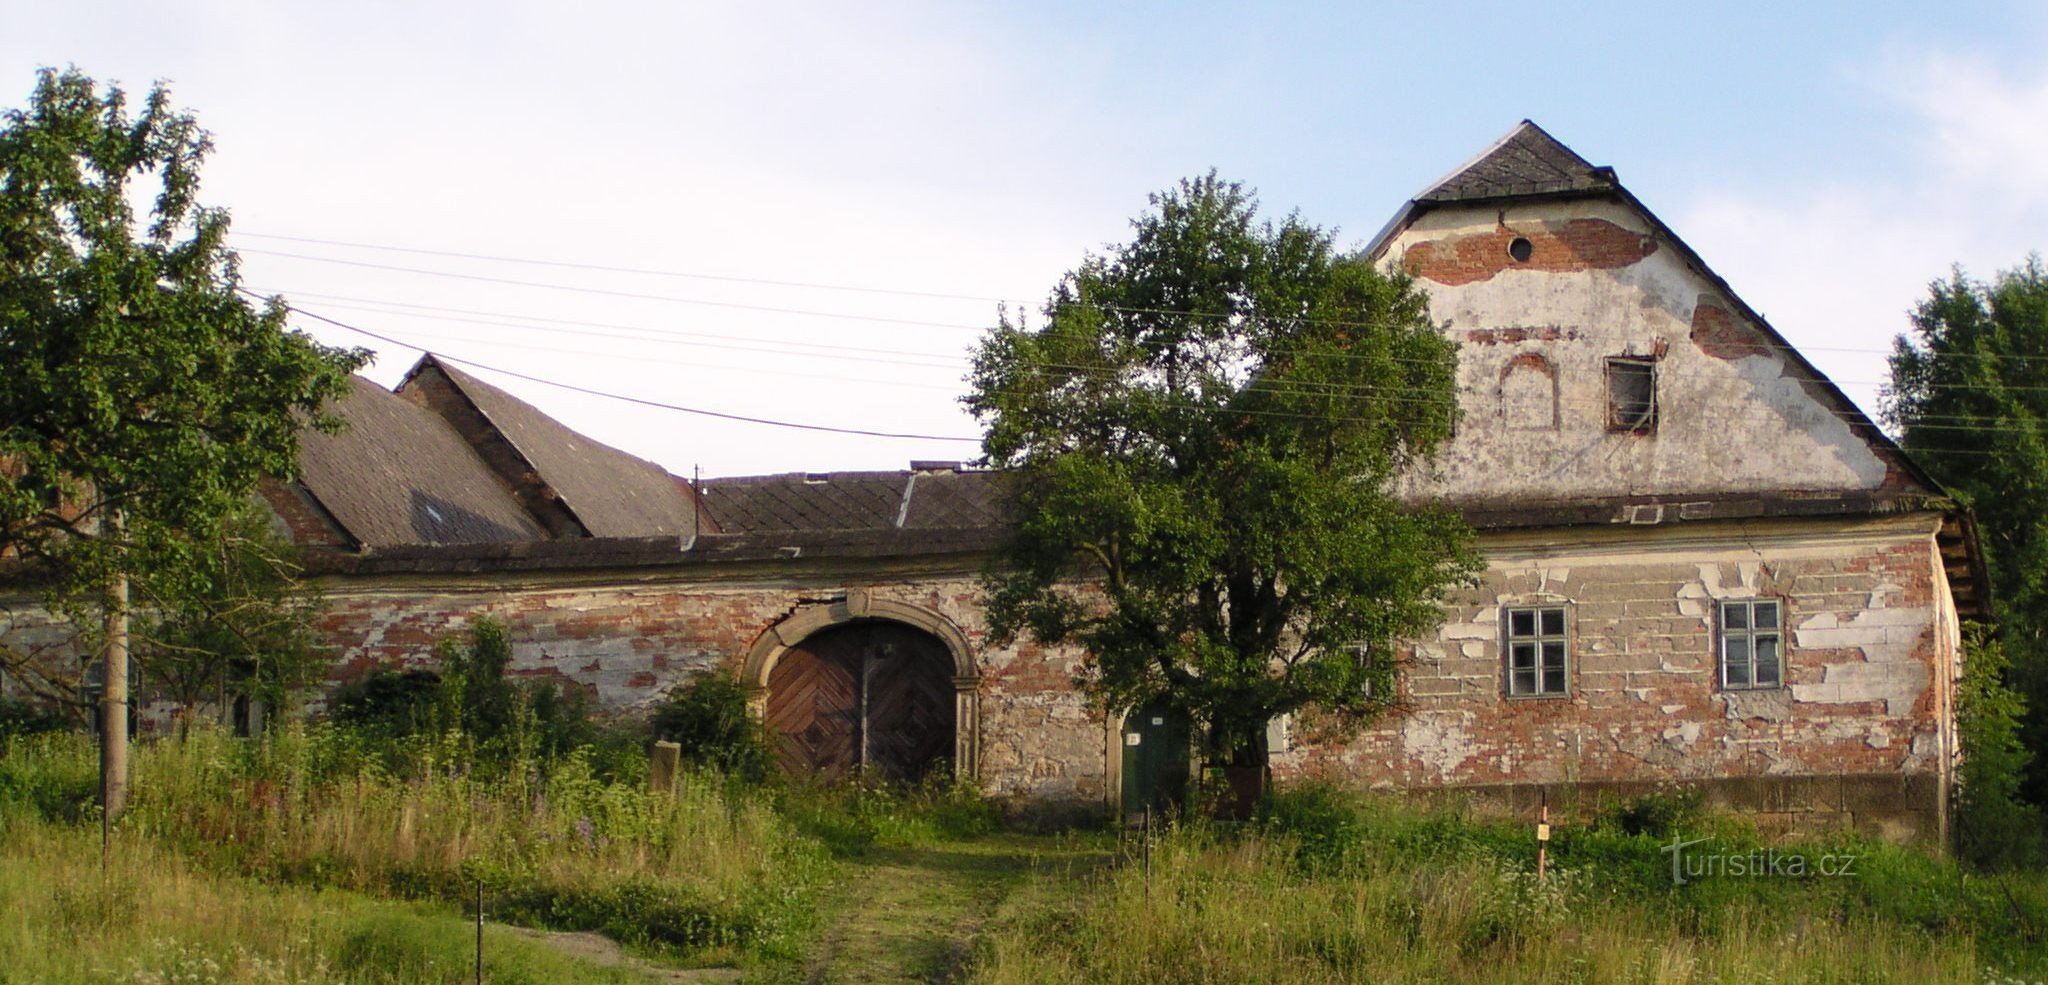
[{"x": 1705, "y": 566}]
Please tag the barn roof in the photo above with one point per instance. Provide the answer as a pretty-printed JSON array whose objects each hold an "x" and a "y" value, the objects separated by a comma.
[
  {"x": 399, "y": 474},
  {"x": 917, "y": 499},
  {"x": 612, "y": 493}
]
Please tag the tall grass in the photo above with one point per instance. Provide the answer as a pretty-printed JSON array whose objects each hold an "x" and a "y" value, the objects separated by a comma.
[
  {"x": 1346, "y": 889},
  {"x": 150, "y": 917},
  {"x": 708, "y": 866}
]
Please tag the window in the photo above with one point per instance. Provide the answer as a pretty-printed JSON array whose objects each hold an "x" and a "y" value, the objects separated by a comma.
[
  {"x": 1631, "y": 394},
  {"x": 1752, "y": 651},
  {"x": 1536, "y": 652}
]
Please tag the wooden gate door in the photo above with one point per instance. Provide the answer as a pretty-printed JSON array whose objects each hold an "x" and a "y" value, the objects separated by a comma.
[{"x": 877, "y": 696}]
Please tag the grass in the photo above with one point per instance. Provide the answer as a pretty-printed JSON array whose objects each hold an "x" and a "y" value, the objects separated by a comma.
[
  {"x": 710, "y": 871},
  {"x": 1341, "y": 888},
  {"x": 310, "y": 857},
  {"x": 151, "y": 917}
]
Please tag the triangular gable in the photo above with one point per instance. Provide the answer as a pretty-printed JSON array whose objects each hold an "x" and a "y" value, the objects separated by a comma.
[
  {"x": 607, "y": 492},
  {"x": 1528, "y": 173}
]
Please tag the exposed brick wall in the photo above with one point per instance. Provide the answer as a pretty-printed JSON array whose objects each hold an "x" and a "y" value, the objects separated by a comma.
[
  {"x": 1719, "y": 334},
  {"x": 627, "y": 644},
  {"x": 1555, "y": 247},
  {"x": 1865, "y": 644}
]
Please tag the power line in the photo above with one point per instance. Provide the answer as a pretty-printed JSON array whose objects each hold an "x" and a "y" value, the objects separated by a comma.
[
  {"x": 638, "y": 400},
  {"x": 640, "y": 271},
  {"x": 1399, "y": 393}
]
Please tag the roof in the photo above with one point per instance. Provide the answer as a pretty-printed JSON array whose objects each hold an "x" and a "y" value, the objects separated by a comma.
[
  {"x": 399, "y": 474},
  {"x": 933, "y": 499},
  {"x": 1525, "y": 161},
  {"x": 612, "y": 493}
]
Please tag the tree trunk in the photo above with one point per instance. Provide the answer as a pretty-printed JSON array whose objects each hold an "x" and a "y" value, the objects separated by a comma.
[{"x": 114, "y": 704}]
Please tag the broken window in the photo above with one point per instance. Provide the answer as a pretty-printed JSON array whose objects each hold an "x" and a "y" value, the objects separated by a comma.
[
  {"x": 1631, "y": 394},
  {"x": 1536, "y": 651},
  {"x": 1752, "y": 644}
]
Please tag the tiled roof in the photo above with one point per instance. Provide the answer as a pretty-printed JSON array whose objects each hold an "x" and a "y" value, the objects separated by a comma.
[
  {"x": 612, "y": 493},
  {"x": 399, "y": 474},
  {"x": 796, "y": 501},
  {"x": 1527, "y": 161}
]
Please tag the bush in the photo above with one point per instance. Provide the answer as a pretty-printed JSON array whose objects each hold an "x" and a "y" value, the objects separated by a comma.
[
  {"x": 1324, "y": 822},
  {"x": 707, "y": 715},
  {"x": 389, "y": 703},
  {"x": 1658, "y": 815},
  {"x": 1995, "y": 827},
  {"x": 18, "y": 717},
  {"x": 497, "y": 723}
]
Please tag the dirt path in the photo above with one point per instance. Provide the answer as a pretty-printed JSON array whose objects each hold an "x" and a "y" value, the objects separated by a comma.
[{"x": 910, "y": 915}]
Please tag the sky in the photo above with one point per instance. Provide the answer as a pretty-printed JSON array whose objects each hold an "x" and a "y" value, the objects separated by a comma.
[{"x": 808, "y": 213}]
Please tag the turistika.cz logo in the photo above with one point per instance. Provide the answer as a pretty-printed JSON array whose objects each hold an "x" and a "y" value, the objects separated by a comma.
[{"x": 1709, "y": 863}]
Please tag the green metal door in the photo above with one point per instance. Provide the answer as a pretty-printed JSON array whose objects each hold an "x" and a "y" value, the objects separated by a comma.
[{"x": 1155, "y": 742}]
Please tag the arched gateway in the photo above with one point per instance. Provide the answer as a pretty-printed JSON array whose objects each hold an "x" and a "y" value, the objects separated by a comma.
[{"x": 866, "y": 684}]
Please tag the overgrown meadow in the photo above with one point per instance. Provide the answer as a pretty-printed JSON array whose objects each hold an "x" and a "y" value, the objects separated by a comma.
[{"x": 1333, "y": 886}]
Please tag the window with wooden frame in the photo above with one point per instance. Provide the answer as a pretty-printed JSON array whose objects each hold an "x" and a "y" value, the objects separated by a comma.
[
  {"x": 1536, "y": 652},
  {"x": 1752, "y": 644},
  {"x": 1632, "y": 394}
]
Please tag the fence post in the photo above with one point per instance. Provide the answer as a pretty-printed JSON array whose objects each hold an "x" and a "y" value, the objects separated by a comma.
[{"x": 662, "y": 768}]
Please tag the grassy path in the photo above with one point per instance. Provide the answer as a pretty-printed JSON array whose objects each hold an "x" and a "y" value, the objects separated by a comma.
[{"x": 910, "y": 914}]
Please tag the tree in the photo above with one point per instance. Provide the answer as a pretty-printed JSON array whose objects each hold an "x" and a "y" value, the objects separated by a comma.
[
  {"x": 232, "y": 617},
  {"x": 1200, "y": 443},
  {"x": 144, "y": 396},
  {"x": 1969, "y": 398}
]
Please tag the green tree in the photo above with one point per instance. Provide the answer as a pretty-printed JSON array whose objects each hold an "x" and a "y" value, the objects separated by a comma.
[
  {"x": 144, "y": 395},
  {"x": 1969, "y": 399},
  {"x": 1200, "y": 443},
  {"x": 233, "y": 617}
]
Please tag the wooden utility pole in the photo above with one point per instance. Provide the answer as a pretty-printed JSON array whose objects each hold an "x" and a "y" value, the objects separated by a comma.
[{"x": 114, "y": 697}]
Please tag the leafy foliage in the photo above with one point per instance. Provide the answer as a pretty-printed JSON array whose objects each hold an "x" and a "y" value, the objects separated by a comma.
[
  {"x": 707, "y": 716},
  {"x": 140, "y": 382},
  {"x": 500, "y": 724},
  {"x": 233, "y": 616},
  {"x": 1995, "y": 826},
  {"x": 1969, "y": 395},
  {"x": 1201, "y": 440}
]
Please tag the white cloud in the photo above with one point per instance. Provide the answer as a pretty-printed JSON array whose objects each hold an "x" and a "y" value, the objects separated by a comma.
[
  {"x": 1986, "y": 128},
  {"x": 1837, "y": 268}
]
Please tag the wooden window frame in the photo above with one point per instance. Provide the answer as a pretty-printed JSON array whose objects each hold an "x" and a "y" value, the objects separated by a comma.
[
  {"x": 1645, "y": 423},
  {"x": 1542, "y": 636},
  {"x": 1747, "y": 635}
]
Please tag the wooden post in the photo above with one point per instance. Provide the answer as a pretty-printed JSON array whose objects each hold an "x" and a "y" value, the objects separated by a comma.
[
  {"x": 663, "y": 766},
  {"x": 1543, "y": 836},
  {"x": 1148, "y": 851},
  {"x": 114, "y": 696},
  {"x": 479, "y": 932}
]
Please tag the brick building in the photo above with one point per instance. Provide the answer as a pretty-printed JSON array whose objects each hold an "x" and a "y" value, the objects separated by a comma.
[{"x": 1704, "y": 565}]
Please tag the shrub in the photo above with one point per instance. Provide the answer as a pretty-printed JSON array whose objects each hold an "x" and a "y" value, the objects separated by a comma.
[
  {"x": 1658, "y": 815},
  {"x": 389, "y": 702},
  {"x": 1995, "y": 827},
  {"x": 18, "y": 717},
  {"x": 707, "y": 715}
]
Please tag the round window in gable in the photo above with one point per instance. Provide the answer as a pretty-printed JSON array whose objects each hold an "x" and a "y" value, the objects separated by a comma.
[{"x": 1521, "y": 249}]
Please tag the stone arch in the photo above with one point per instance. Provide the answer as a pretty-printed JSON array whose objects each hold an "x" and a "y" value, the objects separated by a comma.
[{"x": 860, "y": 607}]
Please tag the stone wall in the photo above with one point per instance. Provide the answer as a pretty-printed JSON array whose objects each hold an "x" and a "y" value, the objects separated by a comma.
[
  {"x": 1870, "y": 657},
  {"x": 627, "y": 643}
]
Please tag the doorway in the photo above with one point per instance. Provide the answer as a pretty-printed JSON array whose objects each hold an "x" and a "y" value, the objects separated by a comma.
[{"x": 873, "y": 697}]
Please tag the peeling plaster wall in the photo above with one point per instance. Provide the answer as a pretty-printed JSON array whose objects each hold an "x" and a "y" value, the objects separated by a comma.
[
  {"x": 628, "y": 643},
  {"x": 1734, "y": 414},
  {"x": 1869, "y": 653}
]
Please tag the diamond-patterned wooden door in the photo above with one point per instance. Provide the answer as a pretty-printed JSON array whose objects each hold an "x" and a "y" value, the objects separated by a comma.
[{"x": 873, "y": 695}]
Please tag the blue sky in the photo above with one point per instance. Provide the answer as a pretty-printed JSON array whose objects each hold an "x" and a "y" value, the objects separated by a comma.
[{"x": 1828, "y": 159}]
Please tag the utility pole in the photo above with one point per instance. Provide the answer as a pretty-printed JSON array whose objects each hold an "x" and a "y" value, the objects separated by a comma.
[{"x": 114, "y": 696}]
